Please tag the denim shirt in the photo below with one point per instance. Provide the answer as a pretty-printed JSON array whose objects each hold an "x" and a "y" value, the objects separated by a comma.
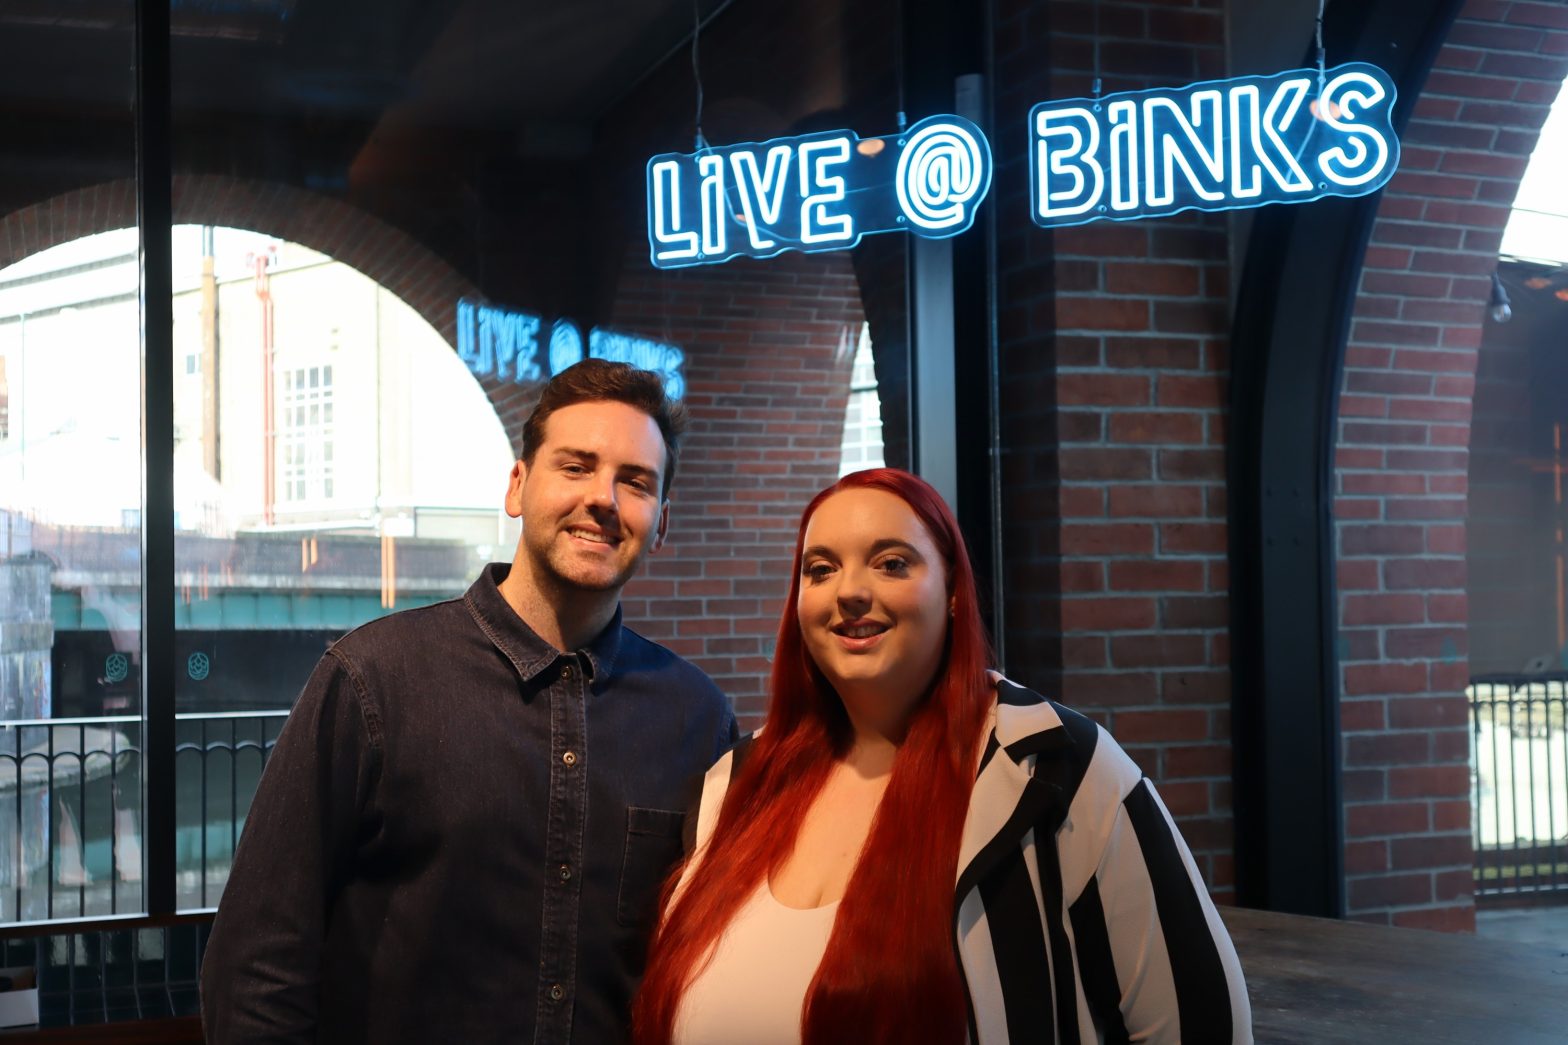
[{"x": 460, "y": 835}]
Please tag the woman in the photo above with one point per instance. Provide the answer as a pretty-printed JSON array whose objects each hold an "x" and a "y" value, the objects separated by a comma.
[{"x": 913, "y": 849}]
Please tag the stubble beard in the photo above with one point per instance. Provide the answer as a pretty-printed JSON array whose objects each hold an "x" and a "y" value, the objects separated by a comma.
[{"x": 555, "y": 565}]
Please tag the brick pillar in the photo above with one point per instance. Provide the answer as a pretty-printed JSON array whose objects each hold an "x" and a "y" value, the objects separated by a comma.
[{"x": 1114, "y": 370}]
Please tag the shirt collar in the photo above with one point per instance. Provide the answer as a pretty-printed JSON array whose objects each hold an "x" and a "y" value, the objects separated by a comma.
[{"x": 529, "y": 653}]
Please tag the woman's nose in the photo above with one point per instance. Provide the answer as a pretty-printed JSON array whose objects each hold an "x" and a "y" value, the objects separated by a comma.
[{"x": 852, "y": 590}]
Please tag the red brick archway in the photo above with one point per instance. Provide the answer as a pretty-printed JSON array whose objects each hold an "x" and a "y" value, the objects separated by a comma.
[
  {"x": 1403, "y": 455},
  {"x": 386, "y": 254}
]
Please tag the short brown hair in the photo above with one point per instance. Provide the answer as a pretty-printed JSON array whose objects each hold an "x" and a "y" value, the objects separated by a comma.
[{"x": 600, "y": 380}]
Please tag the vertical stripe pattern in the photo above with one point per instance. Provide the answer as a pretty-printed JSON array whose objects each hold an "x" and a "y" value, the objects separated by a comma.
[
  {"x": 1202, "y": 988},
  {"x": 1014, "y": 921},
  {"x": 1096, "y": 965}
]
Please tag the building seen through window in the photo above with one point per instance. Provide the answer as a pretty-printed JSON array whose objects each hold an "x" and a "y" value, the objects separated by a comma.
[{"x": 333, "y": 461}]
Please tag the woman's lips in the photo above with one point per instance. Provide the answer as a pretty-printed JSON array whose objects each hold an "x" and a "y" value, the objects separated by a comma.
[
  {"x": 858, "y": 645},
  {"x": 859, "y": 636}
]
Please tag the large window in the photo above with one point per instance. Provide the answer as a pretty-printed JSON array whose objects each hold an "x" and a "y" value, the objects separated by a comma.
[
  {"x": 297, "y": 517},
  {"x": 383, "y": 240}
]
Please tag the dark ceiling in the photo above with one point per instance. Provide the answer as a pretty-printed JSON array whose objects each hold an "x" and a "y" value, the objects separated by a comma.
[{"x": 316, "y": 88}]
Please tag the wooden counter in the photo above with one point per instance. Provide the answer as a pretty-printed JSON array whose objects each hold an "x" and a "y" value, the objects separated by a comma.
[
  {"x": 1320, "y": 981},
  {"x": 1313, "y": 981}
]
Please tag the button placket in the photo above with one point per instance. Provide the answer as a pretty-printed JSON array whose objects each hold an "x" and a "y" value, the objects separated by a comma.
[{"x": 568, "y": 800}]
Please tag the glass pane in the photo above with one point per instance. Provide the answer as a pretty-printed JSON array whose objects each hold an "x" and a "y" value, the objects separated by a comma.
[
  {"x": 70, "y": 472},
  {"x": 307, "y": 502},
  {"x": 433, "y": 230}
]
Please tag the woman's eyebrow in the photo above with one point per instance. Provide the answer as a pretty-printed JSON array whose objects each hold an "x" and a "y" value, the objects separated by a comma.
[
  {"x": 878, "y": 546},
  {"x": 885, "y": 543}
]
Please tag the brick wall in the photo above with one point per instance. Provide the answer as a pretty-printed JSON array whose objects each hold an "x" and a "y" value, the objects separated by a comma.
[
  {"x": 1114, "y": 366},
  {"x": 768, "y": 347},
  {"x": 1402, "y": 461}
]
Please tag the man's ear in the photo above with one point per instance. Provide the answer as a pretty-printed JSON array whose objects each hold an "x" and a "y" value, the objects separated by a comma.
[
  {"x": 664, "y": 527},
  {"x": 514, "y": 489}
]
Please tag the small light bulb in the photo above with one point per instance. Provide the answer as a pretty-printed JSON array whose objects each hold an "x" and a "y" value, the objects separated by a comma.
[{"x": 1502, "y": 312}]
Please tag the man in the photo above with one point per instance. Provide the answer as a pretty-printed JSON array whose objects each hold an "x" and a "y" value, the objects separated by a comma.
[{"x": 462, "y": 830}]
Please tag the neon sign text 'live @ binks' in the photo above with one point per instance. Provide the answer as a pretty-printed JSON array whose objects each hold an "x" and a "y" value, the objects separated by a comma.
[
  {"x": 1221, "y": 145},
  {"x": 816, "y": 192},
  {"x": 513, "y": 347}
]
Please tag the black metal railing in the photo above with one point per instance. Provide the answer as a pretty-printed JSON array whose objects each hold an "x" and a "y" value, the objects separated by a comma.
[
  {"x": 107, "y": 976},
  {"x": 70, "y": 810},
  {"x": 1519, "y": 784}
]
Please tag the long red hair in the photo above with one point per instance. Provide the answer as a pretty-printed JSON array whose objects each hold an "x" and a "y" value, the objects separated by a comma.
[{"x": 890, "y": 973}]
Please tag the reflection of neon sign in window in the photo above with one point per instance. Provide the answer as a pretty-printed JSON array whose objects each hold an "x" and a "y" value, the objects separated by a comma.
[
  {"x": 1213, "y": 146},
  {"x": 504, "y": 345},
  {"x": 817, "y": 192}
]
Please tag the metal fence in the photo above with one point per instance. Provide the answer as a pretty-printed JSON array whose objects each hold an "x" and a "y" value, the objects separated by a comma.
[
  {"x": 1519, "y": 784},
  {"x": 70, "y": 810},
  {"x": 112, "y": 975}
]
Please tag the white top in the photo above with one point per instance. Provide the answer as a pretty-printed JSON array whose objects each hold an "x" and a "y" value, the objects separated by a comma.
[{"x": 754, "y": 989}]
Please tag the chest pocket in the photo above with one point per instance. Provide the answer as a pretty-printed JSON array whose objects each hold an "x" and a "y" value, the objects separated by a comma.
[{"x": 653, "y": 845}]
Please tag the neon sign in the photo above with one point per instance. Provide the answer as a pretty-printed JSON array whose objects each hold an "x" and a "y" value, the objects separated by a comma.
[
  {"x": 816, "y": 192},
  {"x": 504, "y": 345},
  {"x": 1213, "y": 146}
]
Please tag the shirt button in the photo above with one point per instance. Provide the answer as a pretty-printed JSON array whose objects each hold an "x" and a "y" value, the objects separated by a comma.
[
  {"x": 570, "y": 758},
  {"x": 566, "y": 873},
  {"x": 566, "y": 673},
  {"x": 557, "y": 992}
]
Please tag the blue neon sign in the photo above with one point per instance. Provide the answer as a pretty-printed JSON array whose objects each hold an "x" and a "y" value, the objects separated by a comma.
[
  {"x": 816, "y": 192},
  {"x": 504, "y": 345},
  {"x": 1213, "y": 146}
]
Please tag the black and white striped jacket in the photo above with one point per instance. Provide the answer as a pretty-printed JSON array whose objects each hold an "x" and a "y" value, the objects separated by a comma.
[{"x": 1103, "y": 933}]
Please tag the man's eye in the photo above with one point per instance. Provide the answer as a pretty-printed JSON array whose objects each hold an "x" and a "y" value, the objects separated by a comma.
[{"x": 575, "y": 469}]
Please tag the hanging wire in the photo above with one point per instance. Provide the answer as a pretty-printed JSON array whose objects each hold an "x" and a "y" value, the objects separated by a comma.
[
  {"x": 898, "y": 68},
  {"x": 696, "y": 68},
  {"x": 1096, "y": 7},
  {"x": 1320, "y": 47}
]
